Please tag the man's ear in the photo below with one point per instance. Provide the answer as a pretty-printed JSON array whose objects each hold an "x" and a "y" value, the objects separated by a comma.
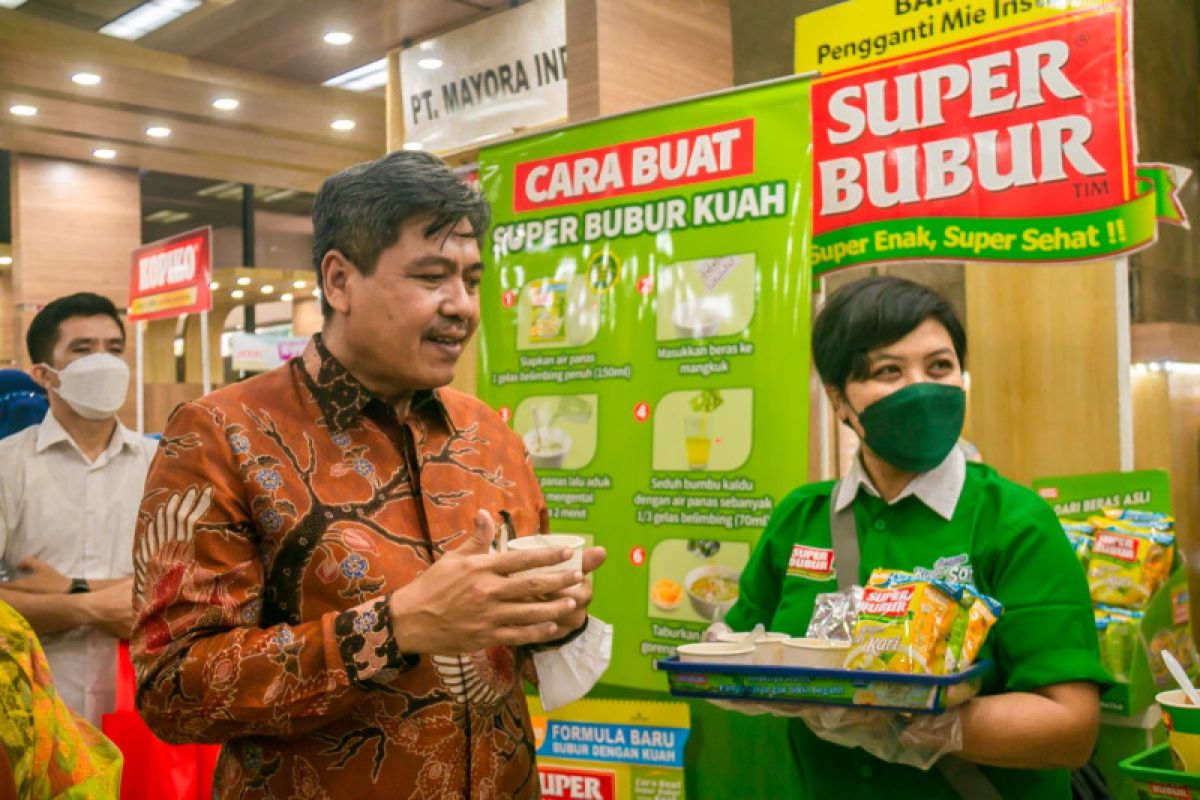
[
  {"x": 43, "y": 377},
  {"x": 336, "y": 271}
]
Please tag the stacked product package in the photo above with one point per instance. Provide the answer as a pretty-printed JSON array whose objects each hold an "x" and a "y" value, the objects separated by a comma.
[
  {"x": 1128, "y": 556},
  {"x": 907, "y": 624}
]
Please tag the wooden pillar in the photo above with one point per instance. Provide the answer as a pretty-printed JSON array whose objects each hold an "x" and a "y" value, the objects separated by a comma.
[
  {"x": 1044, "y": 364},
  {"x": 627, "y": 54},
  {"x": 74, "y": 228}
]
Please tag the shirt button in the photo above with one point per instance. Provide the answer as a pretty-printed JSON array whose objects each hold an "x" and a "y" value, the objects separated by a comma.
[
  {"x": 880, "y": 525},
  {"x": 867, "y": 771}
]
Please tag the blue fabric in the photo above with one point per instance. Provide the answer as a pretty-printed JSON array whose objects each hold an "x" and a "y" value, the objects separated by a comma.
[{"x": 22, "y": 402}]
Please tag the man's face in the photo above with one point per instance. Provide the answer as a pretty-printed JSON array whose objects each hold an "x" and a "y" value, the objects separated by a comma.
[
  {"x": 406, "y": 324},
  {"x": 79, "y": 337}
]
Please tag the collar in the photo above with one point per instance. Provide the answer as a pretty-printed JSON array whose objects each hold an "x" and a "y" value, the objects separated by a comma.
[
  {"x": 939, "y": 489},
  {"x": 343, "y": 399},
  {"x": 51, "y": 432}
]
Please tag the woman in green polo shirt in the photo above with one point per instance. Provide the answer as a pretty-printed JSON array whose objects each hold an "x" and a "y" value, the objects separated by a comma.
[{"x": 890, "y": 353}]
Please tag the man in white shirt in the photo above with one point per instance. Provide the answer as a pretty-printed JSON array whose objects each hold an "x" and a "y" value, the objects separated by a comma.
[{"x": 69, "y": 494}]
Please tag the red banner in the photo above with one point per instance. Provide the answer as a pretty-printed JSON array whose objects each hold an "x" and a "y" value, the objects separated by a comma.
[
  {"x": 645, "y": 165},
  {"x": 1025, "y": 125},
  {"x": 171, "y": 276},
  {"x": 561, "y": 783}
]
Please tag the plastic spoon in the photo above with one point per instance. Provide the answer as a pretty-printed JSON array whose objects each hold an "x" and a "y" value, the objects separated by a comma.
[
  {"x": 1177, "y": 672},
  {"x": 538, "y": 424}
]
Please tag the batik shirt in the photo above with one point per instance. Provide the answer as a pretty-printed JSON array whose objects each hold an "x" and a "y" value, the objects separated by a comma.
[
  {"x": 280, "y": 513},
  {"x": 49, "y": 751}
]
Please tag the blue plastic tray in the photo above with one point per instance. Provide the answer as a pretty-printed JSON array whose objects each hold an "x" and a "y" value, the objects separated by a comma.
[{"x": 883, "y": 691}]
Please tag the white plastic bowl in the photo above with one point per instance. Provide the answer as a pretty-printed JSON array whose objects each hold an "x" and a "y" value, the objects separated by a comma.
[
  {"x": 767, "y": 650},
  {"x": 715, "y": 653},
  {"x": 822, "y": 653},
  {"x": 696, "y": 319},
  {"x": 713, "y": 610},
  {"x": 555, "y": 444}
]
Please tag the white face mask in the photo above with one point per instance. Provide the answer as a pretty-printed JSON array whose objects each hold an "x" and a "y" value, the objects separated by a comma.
[{"x": 93, "y": 386}]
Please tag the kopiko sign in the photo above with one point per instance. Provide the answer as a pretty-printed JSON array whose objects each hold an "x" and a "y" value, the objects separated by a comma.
[
  {"x": 171, "y": 276},
  {"x": 974, "y": 151}
]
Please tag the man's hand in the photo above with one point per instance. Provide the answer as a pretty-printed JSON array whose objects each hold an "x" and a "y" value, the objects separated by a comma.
[
  {"x": 472, "y": 599},
  {"x": 111, "y": 609},
  {"x": 581, "y": 593},
  {"x": 38, "y": 577}
]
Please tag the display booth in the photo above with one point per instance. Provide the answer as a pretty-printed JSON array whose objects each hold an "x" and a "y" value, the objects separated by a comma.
[{"x": 646, "y": 316}]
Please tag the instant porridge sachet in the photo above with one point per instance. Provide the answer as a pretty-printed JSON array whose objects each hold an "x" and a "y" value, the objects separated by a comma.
[
  {"x": 903, "y": 625},
  {"x": 1129, "y": 561}
]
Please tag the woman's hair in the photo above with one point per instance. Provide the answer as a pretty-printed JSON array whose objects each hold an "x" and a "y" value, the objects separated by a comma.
[{"x": 875, "y": 312}]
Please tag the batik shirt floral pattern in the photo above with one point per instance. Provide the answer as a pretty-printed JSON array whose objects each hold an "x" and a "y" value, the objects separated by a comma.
[
  {"x": 50, "y": 751},
  {"x": 279, "y": 515}
]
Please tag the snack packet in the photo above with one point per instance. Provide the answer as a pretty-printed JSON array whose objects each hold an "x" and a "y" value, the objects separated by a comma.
[
  {"x": 1081, "y": 535},
  {"x": 969, "y": 632},
  {"x": 1149, "y": 519},
  {"x": 903, "y": 625},
  {"x": 834, "y": 615},
  {"x": 1128, "y": 563},
  {"x": 1117, "y": 630},
  {"x": 548, "y": 311}
]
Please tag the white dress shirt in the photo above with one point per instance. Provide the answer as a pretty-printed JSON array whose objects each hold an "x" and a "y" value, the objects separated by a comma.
[{"x": 77, "y": 516}]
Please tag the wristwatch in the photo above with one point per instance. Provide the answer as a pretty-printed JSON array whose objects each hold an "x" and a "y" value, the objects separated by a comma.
[{"x": 79, "y": 586}]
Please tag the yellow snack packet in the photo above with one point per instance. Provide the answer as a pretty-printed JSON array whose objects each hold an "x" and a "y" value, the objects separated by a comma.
[
  {"x": 1129, "y": 563},
  {"x": 903, "y": 626},
  {"x": 981, "y": 614}
]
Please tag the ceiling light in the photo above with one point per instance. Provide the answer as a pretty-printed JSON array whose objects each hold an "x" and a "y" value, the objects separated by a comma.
[
  {"x": 5, "y": 261},
  {"x": 428, "y": 44},
  {"x": 237, "y": 294},
  {"x": 286, "y": 297},
  {"x": 148, "y": 17},
  {"x": 430, "y": 63},
  {"x": 106, "y": 153},
  {"x": 282, "y": 194},
  {"x": 225, "y": 103},
  {"x": 243, "y": 281},
  {"x": 316, "y": 292},
  {"x": 362, "y": 79},
  {"x": 86, "y": 78},
  {"x": 343, "y": 124},
  {"x": 158, "y": 131},
  {"x": 338, "y": 38},
  {"x": 214, "y": 285},
  {"x": 22, "y": 110},
  {"x": 268, "y": 289},
  {"x": 413, "y": 146},
  {"x": 299, "y": 284}
]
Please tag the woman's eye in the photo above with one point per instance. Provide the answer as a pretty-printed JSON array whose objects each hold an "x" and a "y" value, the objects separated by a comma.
[
  {"x": 943, "y": 366},
  {"x": 886, "y": 372}
]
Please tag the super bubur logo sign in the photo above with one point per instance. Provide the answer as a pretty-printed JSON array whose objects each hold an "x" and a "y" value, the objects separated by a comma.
[{"x": 972, "y": 153}]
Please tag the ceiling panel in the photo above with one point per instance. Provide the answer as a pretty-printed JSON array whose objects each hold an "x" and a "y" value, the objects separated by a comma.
[{"x": 282, "y": 38}]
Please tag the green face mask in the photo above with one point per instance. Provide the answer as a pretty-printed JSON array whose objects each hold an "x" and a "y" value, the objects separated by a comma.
[{"x": 915, "y": 428}]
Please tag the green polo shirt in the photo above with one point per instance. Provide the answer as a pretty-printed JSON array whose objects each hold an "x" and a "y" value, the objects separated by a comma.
[{"x": 1002, "y": 538}]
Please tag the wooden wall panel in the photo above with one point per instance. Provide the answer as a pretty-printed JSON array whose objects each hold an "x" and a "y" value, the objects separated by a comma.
[
  {"x": 74, "y": 228},
  {"x": 1043, "y": 364},
  {"x": 626, "y": 54},
  {"x": 8, "y": 348}
]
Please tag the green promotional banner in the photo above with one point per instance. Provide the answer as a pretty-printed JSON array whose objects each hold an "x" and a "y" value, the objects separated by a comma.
[{"x": 646, "y": 331}]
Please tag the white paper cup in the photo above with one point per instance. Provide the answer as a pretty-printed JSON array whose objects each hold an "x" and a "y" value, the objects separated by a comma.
[
  {"x": 551, "y": 540},
  {"x": 767, "y": 650},
  {"x": 716, "y": 653},
  {"x": 820, "y": 653}
]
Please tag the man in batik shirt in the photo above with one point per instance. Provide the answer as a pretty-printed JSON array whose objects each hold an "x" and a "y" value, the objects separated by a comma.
[{"x": 312, "y": 579}]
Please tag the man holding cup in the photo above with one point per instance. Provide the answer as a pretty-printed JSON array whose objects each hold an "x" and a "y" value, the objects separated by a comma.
[{"x": 313, "y": 581}]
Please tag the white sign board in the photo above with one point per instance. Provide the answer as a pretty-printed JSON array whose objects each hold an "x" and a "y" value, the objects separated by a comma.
[
  {"x": 498, "y": 75},
  {"x": 260, "y": 353}
]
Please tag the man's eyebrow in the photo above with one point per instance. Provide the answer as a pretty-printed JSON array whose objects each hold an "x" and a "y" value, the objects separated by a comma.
[{"x": 82, "y": 340}]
